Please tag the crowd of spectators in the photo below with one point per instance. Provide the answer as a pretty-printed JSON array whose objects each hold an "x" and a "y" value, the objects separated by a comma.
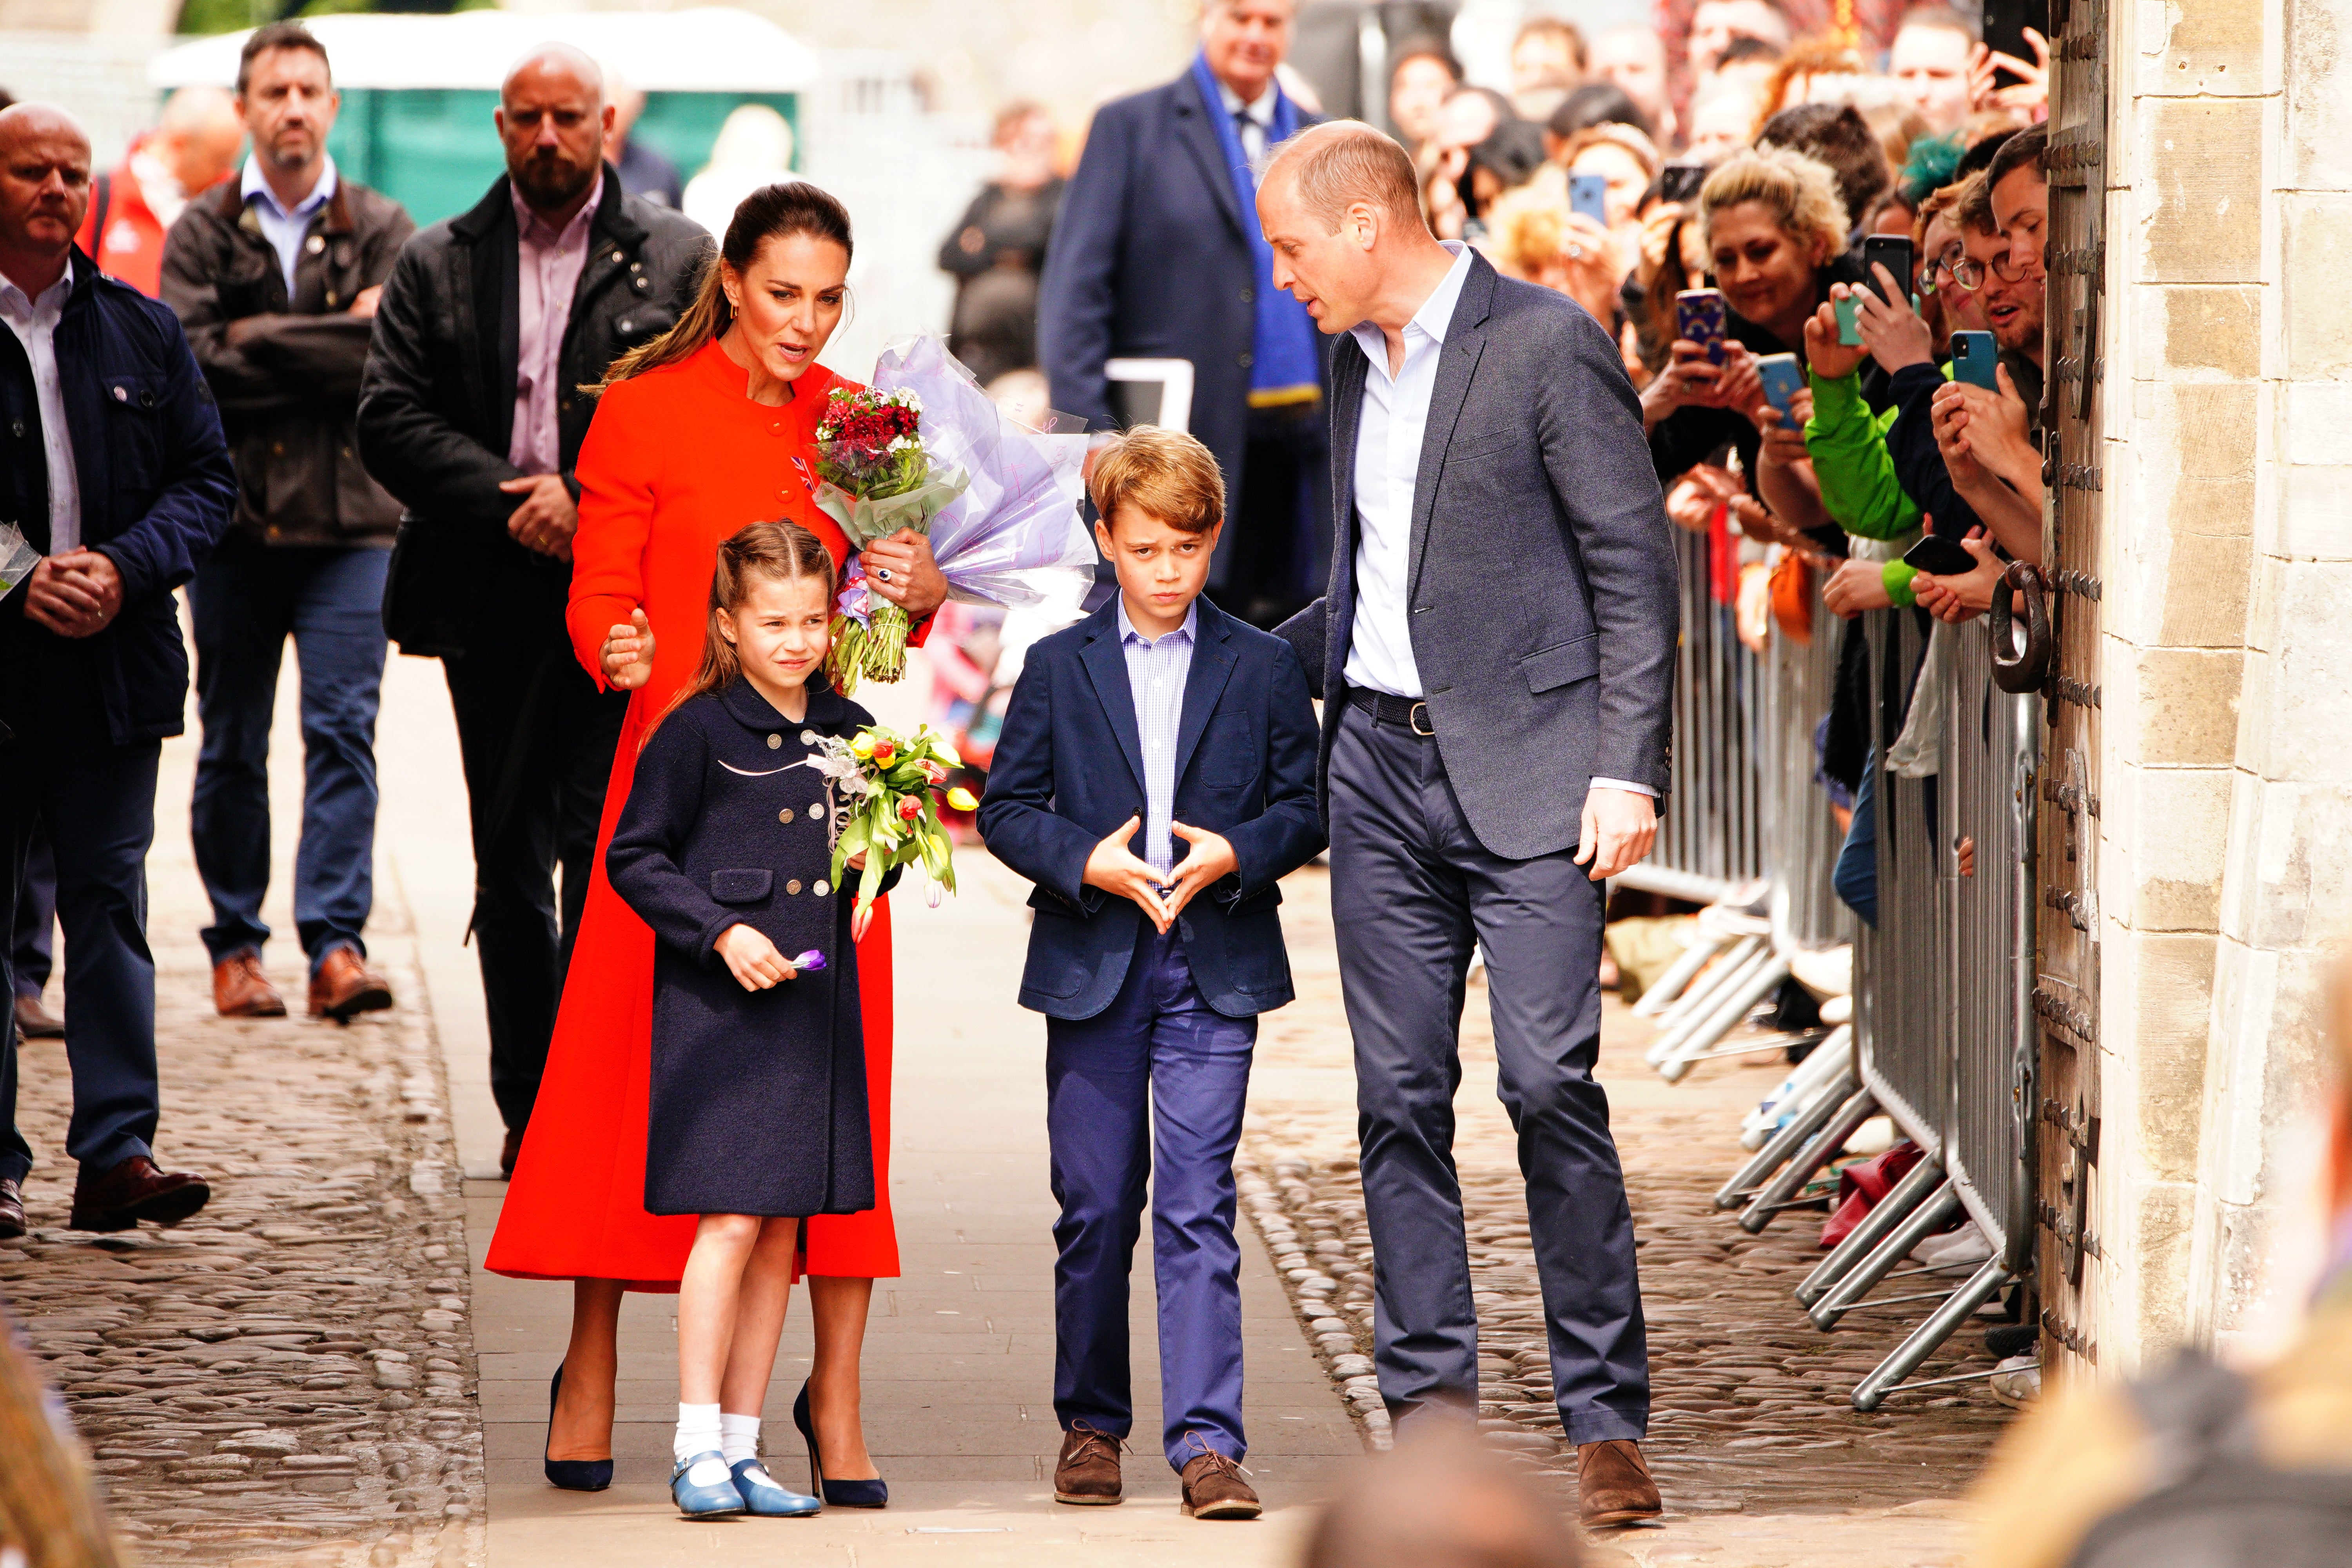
[{"x": 1746, "y": 172}]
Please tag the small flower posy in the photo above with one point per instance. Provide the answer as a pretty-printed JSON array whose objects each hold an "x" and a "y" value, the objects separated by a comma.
[{"x": 886, "y": 788}]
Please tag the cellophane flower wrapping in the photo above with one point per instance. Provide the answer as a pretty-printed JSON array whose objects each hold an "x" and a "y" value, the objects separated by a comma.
[
  {"x": 1004, "y": 525},
  {"x": 886, "y": 787}
]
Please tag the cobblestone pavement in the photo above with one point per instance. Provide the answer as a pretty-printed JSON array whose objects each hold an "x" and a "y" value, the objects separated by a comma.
[
  {"x": 287, "y": 1378},
  {"x": 1752, "y": 1439}
]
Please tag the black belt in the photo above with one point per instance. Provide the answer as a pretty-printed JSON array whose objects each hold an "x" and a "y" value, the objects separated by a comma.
[{"x": 1405, "y": 712}]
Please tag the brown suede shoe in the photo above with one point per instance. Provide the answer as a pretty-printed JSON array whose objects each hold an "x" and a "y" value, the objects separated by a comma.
[
  {"x": 1214, "y": 1488},
  {"x": 345, "y": 986},
  {"x": 35, "y": 1022},
  {"x": 135, "y": 1190},
  {"x": 12, "y": 1210},
  {"x": 1614, "y": 1485},
  {"x": 1087, "y": 1474},
  {"x": 240, "y": 990}
]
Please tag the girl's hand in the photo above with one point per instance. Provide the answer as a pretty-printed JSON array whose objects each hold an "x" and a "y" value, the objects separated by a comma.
[
  {"x": 902, "y": 569},
  {"x": 628, "y": 653},
  {"x": 752, "y": 959}
]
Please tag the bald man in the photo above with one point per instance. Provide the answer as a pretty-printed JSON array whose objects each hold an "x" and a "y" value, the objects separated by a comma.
[
  {"x": 118, "y": 476},
  {"x": 1503, "y": 588},
  {"x": 193, "y": 148},
  {"x": 471, "y": 415}
]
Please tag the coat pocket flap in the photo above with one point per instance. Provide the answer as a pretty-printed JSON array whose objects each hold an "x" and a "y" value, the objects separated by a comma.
[
  {"x": 740, "y": 887},
  {"x": 1562, "y": 663}
]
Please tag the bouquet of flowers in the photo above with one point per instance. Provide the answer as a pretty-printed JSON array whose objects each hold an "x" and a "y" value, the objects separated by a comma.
[
  {"x": 885, "y": 789},
  {"x": 925, "y": 448}
]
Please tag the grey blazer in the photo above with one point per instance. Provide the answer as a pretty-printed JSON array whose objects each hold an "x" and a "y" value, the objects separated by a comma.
[{"x": 1545, "y": 610}]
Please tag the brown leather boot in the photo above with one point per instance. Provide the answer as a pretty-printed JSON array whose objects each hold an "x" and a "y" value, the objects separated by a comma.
[
  {"x": 12, "y": 1210},
  {"x": 1614, "y": 1485},
  {"x": 345, "y": 986},
  {"x": 1214, "y": 1488},
  {"x": 135, "y": 1190},
  {"x": 240, "y": 990},
  {"x": 1087, "y": 1474},
  {"x": 35, "y": 1022}
]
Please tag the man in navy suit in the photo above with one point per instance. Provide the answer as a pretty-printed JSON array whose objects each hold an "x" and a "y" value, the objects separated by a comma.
[
  {"x": 1157, "y": 254},
  {"x": 1159, "y": 718}
]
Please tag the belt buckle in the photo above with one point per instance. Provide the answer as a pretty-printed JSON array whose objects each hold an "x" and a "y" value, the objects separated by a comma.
[{"x": 1415, "y": 716}]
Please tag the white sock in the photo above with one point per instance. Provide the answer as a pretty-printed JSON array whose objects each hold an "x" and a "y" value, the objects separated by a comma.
[
  {"x": 697, "y": 1433},
  {"x": 738, "y": 1439}
]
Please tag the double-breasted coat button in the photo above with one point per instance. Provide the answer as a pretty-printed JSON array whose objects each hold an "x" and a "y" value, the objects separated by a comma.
[
  {"x": 785, "y": 815},
  {"x": 793, "y": 886},
  {"x": 774, "y": 741}
]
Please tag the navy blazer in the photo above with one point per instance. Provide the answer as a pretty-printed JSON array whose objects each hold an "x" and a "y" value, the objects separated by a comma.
[
  {"x": 1150, "y": 260},
  {"x": 1068, "y": 770},
  {"x": 157, "y": 487}
]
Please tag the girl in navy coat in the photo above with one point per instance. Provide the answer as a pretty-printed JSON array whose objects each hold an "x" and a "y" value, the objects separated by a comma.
[{"x": 758, "y": 1113}]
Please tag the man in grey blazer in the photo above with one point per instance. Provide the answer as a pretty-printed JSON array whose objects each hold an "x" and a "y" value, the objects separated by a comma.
[{"x": 1496, "y": 656}]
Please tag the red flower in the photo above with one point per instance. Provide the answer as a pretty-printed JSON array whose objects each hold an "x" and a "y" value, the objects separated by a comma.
[
  {"x": 883, "y": 752},
  {"x": 909, "y": 808}
]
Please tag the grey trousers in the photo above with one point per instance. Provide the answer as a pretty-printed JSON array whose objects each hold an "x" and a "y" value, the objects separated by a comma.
[{"x": 1418, "y": 890}]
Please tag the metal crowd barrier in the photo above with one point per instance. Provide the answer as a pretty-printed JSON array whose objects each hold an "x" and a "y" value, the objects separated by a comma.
[{"x": 1942, "y": 1039}]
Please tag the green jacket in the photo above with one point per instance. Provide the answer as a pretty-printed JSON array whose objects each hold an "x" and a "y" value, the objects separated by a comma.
[{"x": 1847, "y": 444}]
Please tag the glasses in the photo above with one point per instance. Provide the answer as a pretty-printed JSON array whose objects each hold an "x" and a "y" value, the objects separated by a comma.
[{"x": 1969, "y": 273}]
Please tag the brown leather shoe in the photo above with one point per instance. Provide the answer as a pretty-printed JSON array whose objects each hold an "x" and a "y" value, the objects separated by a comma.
[
  {"x": 1614, "y": 1485},
  {"x": 1214, "y": 1488},
  {"x": 1086, "y": 1474},
  {"x": 35, "y": 1022},
  {"x": 345, "y": 986},
  {"x": 240, "y": 990},
  {"x": 134, "y": 1191},
  {"x": 12, "y": 1210}
]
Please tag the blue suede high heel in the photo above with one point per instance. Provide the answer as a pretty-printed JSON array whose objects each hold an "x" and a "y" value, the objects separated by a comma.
[
  {"x": 571, "y": 1475},
  {"x": 836, "y": 1494}
]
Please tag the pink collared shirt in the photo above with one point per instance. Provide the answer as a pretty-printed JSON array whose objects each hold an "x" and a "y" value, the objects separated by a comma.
[{"x": 547, "y": 269}]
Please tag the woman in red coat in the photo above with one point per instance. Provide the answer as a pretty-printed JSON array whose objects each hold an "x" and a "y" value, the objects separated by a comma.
[{"x": 697, "y": 435}]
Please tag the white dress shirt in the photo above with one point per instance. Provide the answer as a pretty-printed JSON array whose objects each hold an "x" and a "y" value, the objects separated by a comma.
[
  {"x": 285, "y": 231},
  {"x": 35, "y": 322},
  {"x": 1390, "y": 432},
  {"x": 1255, "y": 119}
]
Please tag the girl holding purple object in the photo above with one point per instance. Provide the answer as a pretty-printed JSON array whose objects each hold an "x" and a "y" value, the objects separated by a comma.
[{"x": 757, "y": 1112}]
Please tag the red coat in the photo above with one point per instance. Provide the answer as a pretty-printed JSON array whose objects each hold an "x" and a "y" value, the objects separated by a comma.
[
  {"x": 676, "y": 460},
  {"x": 131, "y": 248}
]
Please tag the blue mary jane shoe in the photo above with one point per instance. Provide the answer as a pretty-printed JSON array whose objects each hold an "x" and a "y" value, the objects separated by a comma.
[
  {"x": 762, "y": 1494},
  {"x": 703, "y": 1502}
]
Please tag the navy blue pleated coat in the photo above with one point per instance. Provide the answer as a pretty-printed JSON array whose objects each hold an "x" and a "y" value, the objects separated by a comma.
[{"x": 758, "y": 1098}]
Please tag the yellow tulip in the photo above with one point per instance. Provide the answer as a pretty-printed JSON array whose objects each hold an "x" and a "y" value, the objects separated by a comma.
[
  {"x": 962, "y": 799},
  {"x": 861, "y": 745}
]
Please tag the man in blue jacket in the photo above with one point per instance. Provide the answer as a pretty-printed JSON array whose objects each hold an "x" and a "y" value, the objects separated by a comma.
[
  {"x": 1157, "y": 719},
  {"x": 113, "y": 467},
  {"x": 1157, "y": 254}
]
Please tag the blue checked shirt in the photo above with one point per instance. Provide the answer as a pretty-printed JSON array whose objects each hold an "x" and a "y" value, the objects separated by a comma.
[{"x": 1156, "y": 673}]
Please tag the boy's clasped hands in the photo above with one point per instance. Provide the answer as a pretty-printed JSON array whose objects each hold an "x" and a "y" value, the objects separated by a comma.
[{"x": 1116, "y": 869}]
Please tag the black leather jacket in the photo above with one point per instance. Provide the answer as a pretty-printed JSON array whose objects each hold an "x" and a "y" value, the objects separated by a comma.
[{"x": 436, "y": 404}]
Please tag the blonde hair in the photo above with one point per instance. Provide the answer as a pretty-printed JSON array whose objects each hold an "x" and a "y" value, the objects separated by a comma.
[
  {"x": 1163, "y": 473},
  {"x": 1529, "y": 225},
  {"x": 1801, "y": 192},
  {"x": 781, "y": 552}
]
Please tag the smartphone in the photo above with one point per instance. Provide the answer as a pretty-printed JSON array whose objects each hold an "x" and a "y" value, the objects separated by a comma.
[
  {"x": 1589, "y": 195},
  {"x": 1974, "y": 358},
  {"x": 1681, "y": 181},
  {"x": 1894, "y": 252},
  {"x": 1849, "y": 320},
  {"x": 1939, "y": 557},
  {"x": 1701, "y": 316},
  {"x": 1783, "y": 378}
]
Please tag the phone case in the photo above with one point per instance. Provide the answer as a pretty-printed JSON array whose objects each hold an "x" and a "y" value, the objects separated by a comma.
[
  {"x": 1849, "y": 320},
  {"x": 1974, "y": 358},
  {"x": 1702, "y": 316},
  {"x": 1589, "y": 195},
  {"x": 1782, "y": 378}
]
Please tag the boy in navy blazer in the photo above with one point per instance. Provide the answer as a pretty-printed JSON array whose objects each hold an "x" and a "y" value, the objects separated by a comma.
[{"x": 1156, "y": 779}]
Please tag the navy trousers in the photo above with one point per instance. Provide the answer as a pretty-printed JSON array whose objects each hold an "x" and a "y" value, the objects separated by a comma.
[
  {"x": 248, "y": 599},
  {"x": 31, "y": 934},
  {"x": 1152, "y": 1087},
  {"x": 97, "y": 801},
  {"x": 1402, "y": 853}
]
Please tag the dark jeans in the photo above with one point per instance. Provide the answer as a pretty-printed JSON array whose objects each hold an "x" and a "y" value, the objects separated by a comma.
[
  {"x": 97, "y": 801},
  {"x": 1402, "y": 853},
  {"x": 30, "y": 948},
  {"x": 1276, "y": 551},
  {"x": 1856, "y": 875},
  {"x": 1150, "y": 1088},
  {"x": 537, "y": 739},
  {"x": 249, "y": 600}
]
